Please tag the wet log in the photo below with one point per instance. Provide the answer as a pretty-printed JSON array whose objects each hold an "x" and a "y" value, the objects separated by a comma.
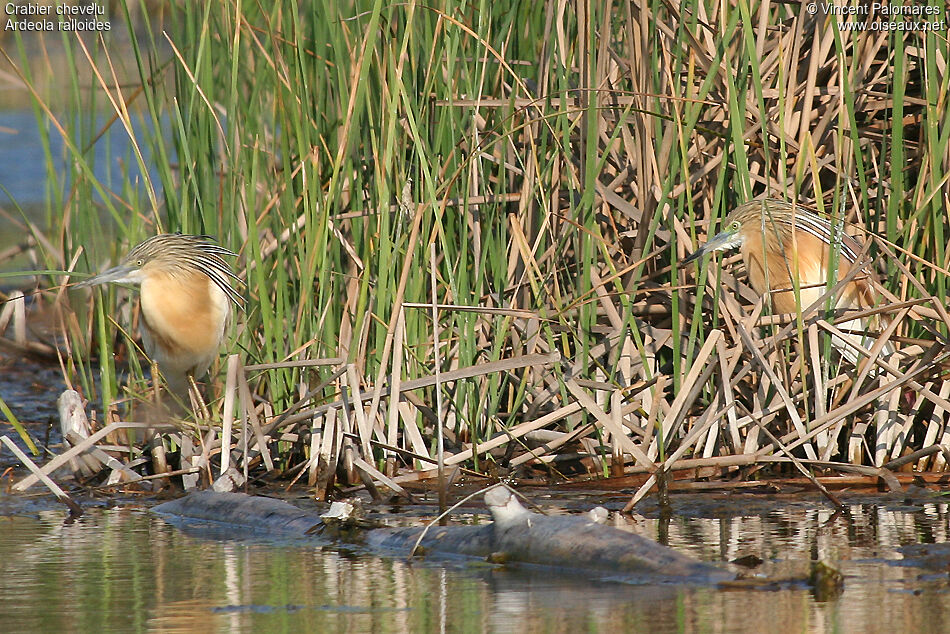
[
  {"x": 250, "y": 512},
  {"x": 467, "y": 541},
  {"x": 577, "y": 541},
  {"x": 517, "y": 536}
]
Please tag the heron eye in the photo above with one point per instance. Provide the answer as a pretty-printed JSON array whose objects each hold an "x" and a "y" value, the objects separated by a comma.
[
  {"x": 735, "y": 225},
  {"x": 140, "y": 262}
]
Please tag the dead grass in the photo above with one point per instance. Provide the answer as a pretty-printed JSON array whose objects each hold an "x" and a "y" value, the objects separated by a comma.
[{"x": 571, "y": 342}]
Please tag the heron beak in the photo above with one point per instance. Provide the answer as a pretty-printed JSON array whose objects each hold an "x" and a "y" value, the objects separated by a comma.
[
  {"x": 119, "y": 274},
  {"x": 719, "y": 242}
]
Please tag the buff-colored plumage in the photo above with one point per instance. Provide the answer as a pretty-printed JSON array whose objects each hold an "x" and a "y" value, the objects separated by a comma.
[
  {"x": 788, "y": 252},
  {"x": 185, "y": 290}
]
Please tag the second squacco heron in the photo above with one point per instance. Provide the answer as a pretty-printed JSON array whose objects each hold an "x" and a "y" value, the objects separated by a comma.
[
  {"x": 185, "y": 296},
  {"x": 791, "y": 254}
]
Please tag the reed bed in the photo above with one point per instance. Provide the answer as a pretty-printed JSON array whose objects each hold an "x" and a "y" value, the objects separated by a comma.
[{"x": 463, "y": 225}]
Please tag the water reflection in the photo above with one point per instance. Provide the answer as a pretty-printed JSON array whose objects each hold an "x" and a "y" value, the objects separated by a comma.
[{"x": 125, "y": 570}]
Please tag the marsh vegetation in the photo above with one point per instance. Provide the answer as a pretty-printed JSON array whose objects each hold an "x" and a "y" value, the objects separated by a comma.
[{"x": 472, "y": 217}]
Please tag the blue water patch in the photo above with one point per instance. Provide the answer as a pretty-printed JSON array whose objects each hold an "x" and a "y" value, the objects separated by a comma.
[{"x": 23, "y": 167}]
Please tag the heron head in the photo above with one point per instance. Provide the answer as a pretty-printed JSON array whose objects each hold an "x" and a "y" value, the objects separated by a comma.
[{"x": 729, "y": 238}]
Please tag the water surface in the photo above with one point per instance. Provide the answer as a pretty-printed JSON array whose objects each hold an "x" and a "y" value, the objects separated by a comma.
[{"x": 125, "y": 570}]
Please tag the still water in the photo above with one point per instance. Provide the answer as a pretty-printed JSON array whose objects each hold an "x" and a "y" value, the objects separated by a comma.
[
  {"x": 24, "y": 164},
  {"x": 125, "y": 570}
]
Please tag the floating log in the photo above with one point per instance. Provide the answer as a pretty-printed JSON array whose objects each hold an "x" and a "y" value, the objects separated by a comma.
[
  {"x": 517, "y": 536},
  {"x": 566, "y": 540},
  {"x": 253, "y": 513}
]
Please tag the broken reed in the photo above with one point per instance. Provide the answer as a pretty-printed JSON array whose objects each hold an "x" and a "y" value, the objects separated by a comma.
[{"x": 563, "y": 157}]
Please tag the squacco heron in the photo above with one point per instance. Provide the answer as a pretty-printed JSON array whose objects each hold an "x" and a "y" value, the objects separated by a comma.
[
  {"x": 789, "y": 252},
  {"x": 185, "y": 289}
]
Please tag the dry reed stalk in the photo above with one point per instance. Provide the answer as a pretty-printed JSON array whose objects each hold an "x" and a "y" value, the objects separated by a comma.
[
  {"x": 329, "y": 452},
  {"x": 798, "y": 465},
  {"x": 912, "y": 279},
  {"x": 395, "y": 382},
  {"x": 906, "y": 427},
  {"x": 99, "y": 454},
  {"x": 832, "y": 417},
  {"x": 287, "y": 417},
  {"x": 250, "y": 420},
  {"x": 186, "y": 452},
  {"x": 727, "y": 367},
  {"x": 702, "y": 425},
  {"x": 74, "y": 509},
  {"x": 362, "y": 425},
  {"x": 606, "y": 421},
  {"x": 375, "y": 474},
  {"x": 515, "y": 432},
  {"x": 77, "y": 450},
  {"x": 502, "y": 365},
  {"x": 777, "y": 383},
  {"x": 939, "y": 419},
  {"x": 437, "y": 364},
  {"x": 543, "y": 453},
  {"x": 415, "y": 439},
  {"x": 11, "y": 305},
  {"x": 227, "y": 422},
  {"x": 313, "y": 462},
  {"x": 302, "y": 363}
]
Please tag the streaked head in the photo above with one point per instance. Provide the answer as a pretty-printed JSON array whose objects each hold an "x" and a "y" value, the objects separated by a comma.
[
  {"x": 172, "y": 254},
  {"x": 763, "y": 217}
]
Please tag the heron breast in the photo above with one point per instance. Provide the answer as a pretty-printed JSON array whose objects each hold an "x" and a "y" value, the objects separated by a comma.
[
  {"x": 183, "y": 320},
  {"x": 781, "y": 267}
]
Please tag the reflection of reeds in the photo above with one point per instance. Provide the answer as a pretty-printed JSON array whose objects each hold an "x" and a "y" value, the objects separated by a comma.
[
  {"x": 181, "y": 581},
  {"x": 563, "y": 162}
]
